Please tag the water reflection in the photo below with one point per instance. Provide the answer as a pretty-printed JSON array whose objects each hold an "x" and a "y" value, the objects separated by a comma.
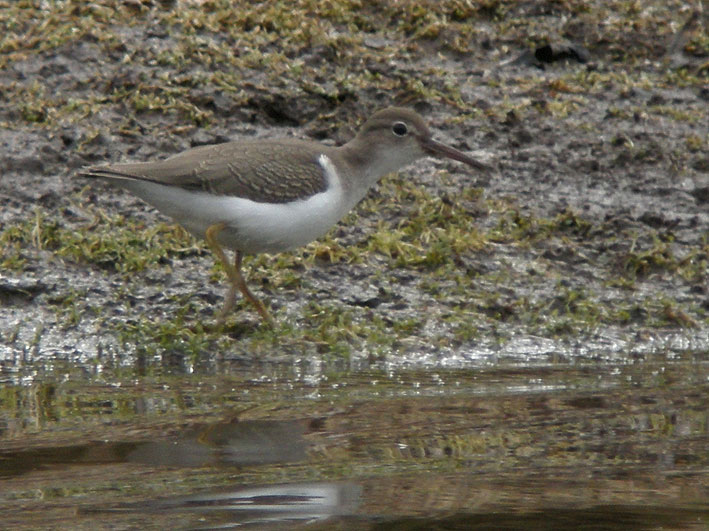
[
  {"x": 251, "y": 442},
  {"x": 596, "y": 446},
  {"x": 259, "y": 506}
]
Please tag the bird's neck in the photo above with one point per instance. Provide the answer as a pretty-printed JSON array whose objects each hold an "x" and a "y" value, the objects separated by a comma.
[{"x": 365, "y": 164}]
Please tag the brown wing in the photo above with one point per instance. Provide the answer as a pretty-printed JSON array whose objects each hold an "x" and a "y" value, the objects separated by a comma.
[{"x": 275, "y": 171}]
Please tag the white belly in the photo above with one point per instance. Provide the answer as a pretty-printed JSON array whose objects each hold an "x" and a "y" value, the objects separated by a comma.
[{"x": 251, "y": 227}]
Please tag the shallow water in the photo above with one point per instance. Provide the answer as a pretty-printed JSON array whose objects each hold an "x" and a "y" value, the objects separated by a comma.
[{"x": 610, "y": 444}]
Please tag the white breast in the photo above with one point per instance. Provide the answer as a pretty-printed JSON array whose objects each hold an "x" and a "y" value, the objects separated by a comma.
[{"x": 252, "y": 227}]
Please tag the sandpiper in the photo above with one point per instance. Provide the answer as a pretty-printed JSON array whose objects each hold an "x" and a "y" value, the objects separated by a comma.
[{"x": 272, "y": 195}]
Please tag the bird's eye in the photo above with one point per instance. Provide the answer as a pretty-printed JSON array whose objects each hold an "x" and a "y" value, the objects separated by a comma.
[{"x": 399, "y": 129}]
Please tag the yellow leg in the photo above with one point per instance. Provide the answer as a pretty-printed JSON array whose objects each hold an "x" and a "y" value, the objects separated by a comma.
[{"x": 236, "y": 279}]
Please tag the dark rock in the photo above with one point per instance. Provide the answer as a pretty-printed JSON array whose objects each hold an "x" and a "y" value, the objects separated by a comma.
[
  {"x": 701, "y": 195},
  {"x": 561, "y": 51}
]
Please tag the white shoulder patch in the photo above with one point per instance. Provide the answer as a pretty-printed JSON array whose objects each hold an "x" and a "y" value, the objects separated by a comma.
[{"x": 333, "y": 179}]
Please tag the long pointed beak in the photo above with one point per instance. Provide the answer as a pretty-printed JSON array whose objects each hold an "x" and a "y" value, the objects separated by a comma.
[{"x": 441, "y": 150}]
